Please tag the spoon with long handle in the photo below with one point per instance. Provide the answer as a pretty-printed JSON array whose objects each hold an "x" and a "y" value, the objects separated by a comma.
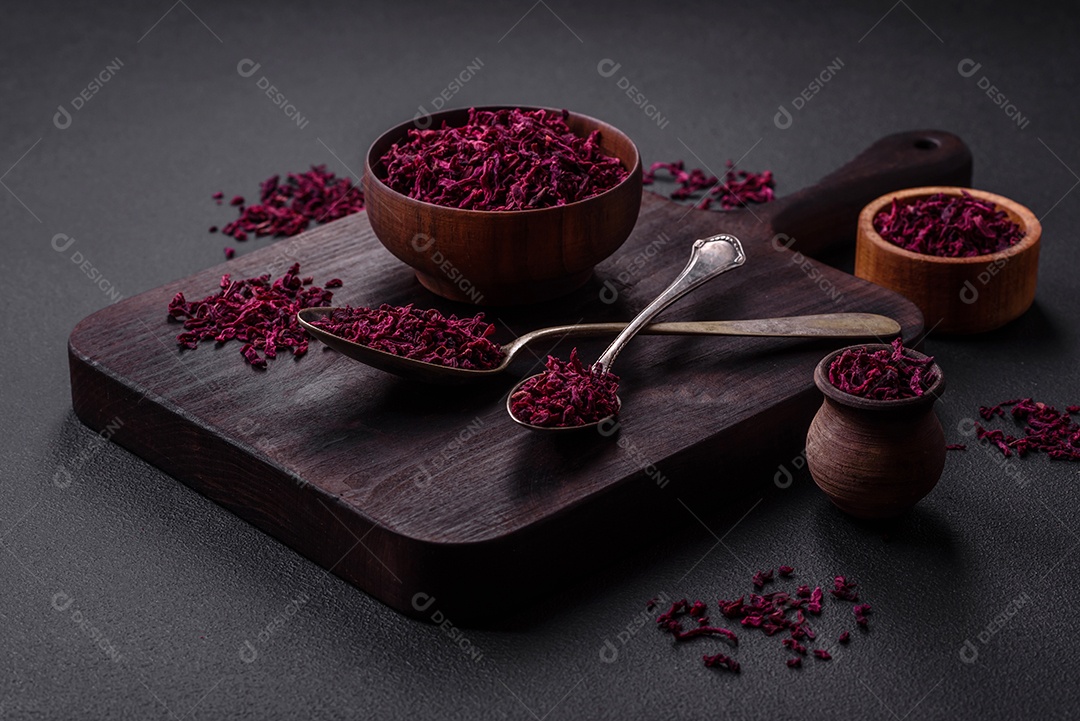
[
  {"x": 709, "y": 257},
  {"x": 828, "y": 325}
]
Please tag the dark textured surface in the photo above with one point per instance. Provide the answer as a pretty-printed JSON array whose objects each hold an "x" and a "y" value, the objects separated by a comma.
[{"x": 176, "y": 585}]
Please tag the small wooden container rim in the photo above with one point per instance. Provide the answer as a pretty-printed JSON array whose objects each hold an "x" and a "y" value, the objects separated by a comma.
[
  {"x": 1019, "y": 214},
  {"x": 821, "y": 379}
]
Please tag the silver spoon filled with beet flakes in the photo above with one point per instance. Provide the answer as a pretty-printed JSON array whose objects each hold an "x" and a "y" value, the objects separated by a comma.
[
  {"x": 427, "y": 346},
  {"x": 570, "y": 396}
]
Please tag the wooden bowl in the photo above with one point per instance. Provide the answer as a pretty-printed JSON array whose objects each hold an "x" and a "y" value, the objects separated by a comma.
[
  {"x": 955, "y": 295},
  {"x": 873, "y": 458},
  {"x": 504, "y": 257}
]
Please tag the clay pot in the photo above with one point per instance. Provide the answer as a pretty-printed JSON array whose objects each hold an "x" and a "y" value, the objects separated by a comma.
[{"x": 874, "y": 458}]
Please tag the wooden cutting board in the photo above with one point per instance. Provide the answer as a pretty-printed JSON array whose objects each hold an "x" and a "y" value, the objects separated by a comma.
[{"x": 413, "y": 492}]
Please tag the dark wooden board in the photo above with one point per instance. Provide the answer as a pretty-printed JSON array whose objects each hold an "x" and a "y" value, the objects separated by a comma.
[{"x": 402, "y": 489}]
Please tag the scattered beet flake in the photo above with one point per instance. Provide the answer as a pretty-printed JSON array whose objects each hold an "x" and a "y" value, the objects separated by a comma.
[
  {"x": 953, "y": 226},
  {"x": 1045, "y": 429},
  {"x": 772, "y": 613},
  {"x": 507, "y": 159},
  {"x": 785, "y": 571},
  {"x": 738, "y": 189},
  {"x": 845, "y": 589},
  {"x": 882, "y": 374},
  {"x": 423, "y": 335},
  {"x": 719, "y": 660},
  {"x": 259, "y": 313},
  {"x": 230, "y": 253},
  {"x": 761, "y": 577},
  {"x": 956, "y": 447},
  {"x": 289, "y": 207},
  {"x": 860, "y": 612},
  {"x": 566, "y": 394}
]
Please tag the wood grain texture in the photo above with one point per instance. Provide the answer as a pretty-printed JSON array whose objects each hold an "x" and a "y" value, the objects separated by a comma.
[
  {"x": 401, "y": 489},
  {"x": 955, "y": 295},
  {"x": 505, "y": 257}
]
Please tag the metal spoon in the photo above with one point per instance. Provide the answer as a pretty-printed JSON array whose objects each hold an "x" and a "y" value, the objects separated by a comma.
[
  {"x": 828, "y": 325},
  {"x": 708, "y": 258}
]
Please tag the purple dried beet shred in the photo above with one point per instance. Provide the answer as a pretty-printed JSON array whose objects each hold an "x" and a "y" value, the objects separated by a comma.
[
  {"x": 882, "y": 374},
  {"x": 1045, "y": 429},
  {"x": 285, "y": 209},
  {"x": 738, "y": 189},
  {"x": 423, "y": 335},
  {"x": 508, "y": 159},
  {"x": 566, "y": 394},
  {"x": 952, "y": 226},
  {"x": 255, "y": 311},
  {"x": 771, "y": 613}
]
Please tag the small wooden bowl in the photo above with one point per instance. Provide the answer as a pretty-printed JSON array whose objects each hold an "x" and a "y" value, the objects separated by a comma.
[
  {"x": 504, "y": 257},
  {"x": 955, "y": 295},
  {"x": 873, "y": 458}
]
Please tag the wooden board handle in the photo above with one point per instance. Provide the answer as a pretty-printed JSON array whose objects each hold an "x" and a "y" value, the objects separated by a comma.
[{"x": 825, "y": 214}]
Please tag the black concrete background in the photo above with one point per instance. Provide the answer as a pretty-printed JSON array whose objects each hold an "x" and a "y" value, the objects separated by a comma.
[{"x": 99, "y": 550}]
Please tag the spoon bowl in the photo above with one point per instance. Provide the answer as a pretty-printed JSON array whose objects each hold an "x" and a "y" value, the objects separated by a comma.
[{"x": 709, "y": 257}]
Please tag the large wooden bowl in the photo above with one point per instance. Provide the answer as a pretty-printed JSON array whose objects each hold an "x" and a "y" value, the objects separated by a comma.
[
  {"x": 956, "y": 295},
  {"x": 504, "y": 257}
]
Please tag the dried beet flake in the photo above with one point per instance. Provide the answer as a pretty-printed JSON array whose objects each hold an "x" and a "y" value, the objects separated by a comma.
[
  {"x": 257, "y": 312},
  {"x": 1045, "y": 429},
  {"x": 423, "y": 335},
  {"x": 738, "y": 189},
  {"x": 882, "y": 375},
  {"x": 287, "y": 208},
  {"x": 770, "y": 612},
  {"x": 952, "y": 226},
  {"x": 508, "y": 159},
  {"x": 566, "y": 394}
]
